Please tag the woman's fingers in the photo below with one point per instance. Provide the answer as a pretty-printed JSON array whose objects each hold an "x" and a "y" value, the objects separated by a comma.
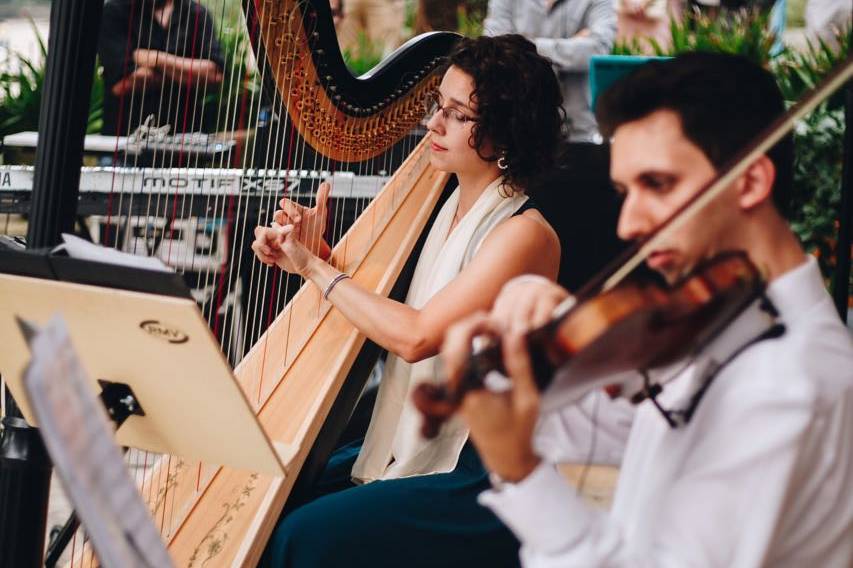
[
  {"x": 294, "y": 211},
  {"x": 322, "y": 198},
  {"x": 281, "y": 232},
  {"x": 262, "y": 246}
]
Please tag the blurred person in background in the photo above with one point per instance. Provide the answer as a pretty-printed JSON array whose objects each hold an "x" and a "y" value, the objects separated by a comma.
[
  {"x": 645, "y": 20},
  {"x": 825, "y": 19},
  {"x": 569, "y": 33},
  {"x": 380, "y": 22},
  {"x": 160, "y": 57}
]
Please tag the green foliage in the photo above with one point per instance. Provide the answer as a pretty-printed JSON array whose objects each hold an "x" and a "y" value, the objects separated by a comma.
[
  {"x": 818, "y": 140},
  {"x": 817, "y": 183},
  {"x": 469, "y": 22},
  {"x": 800, "y": 71},
  {"x": 20, "y": 95},
  {"x": 366, "y": 55},
  {"x": 21, "y": 87},
  {"x": 21, "y": 83},
  {"x": 740, "y": 32}
]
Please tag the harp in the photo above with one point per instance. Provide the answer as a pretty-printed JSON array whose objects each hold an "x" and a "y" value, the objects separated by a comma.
[{"x": 292, "y": 351}]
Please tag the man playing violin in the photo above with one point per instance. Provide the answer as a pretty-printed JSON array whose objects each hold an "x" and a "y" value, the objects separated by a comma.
[{"x": 759, "y": 471}]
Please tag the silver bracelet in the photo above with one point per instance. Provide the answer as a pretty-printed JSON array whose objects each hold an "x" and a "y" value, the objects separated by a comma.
[{"x": 333, "y": 283}]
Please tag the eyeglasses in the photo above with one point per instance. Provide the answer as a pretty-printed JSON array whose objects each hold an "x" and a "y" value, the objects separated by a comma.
[{"x": 449, "y": 114}]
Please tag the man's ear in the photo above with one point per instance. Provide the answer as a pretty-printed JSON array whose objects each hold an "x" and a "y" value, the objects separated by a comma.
[{"x": 756, "y": 185}]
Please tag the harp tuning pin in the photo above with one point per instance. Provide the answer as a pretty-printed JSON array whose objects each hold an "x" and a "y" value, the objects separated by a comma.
[
  {"x": 336, "y": 98},
  {"x": 328, "y": 78},
  {"x": 320, "y": 52}
]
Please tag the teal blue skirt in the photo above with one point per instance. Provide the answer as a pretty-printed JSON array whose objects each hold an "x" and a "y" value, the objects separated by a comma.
[{"x": 429, "y": 520}]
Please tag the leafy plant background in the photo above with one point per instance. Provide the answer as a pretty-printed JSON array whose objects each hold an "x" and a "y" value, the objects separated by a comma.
[{"x": 22, "y": 82}]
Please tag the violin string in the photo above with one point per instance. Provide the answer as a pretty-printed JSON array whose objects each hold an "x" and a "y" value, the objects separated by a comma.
[{"x": 590, "y": 456}]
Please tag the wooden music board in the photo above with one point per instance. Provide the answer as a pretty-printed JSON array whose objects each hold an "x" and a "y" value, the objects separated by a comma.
[{"x": 159, "y": 345}]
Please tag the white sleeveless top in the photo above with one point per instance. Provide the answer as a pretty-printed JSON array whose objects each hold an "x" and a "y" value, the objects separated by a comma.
[{"x": 393, "y": 446}]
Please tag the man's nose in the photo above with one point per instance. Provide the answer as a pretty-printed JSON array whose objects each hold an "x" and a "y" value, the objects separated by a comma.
[{"x": 635, "y": 220}]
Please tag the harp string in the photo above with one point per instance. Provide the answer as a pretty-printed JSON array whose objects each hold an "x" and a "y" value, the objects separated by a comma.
[
  {"x": 259, "y": 273},
  {"x": 226, "y": 273},
  {"x": 317, "y": 165},
  {"x": 282, "y": 281},
  {"x": 225, "y": 213}
]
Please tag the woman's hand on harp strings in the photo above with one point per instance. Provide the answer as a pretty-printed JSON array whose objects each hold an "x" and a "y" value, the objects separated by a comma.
[
  {"x": 501, "y": 423},
  {"x": 277, "y": 245},
  {"x": 309, "y": 222}
]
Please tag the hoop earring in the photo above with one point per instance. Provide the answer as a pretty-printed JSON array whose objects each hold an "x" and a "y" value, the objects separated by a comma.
[{"x": 502, "y": 163}]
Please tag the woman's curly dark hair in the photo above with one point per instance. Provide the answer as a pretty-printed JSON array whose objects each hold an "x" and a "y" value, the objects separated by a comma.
[{"x": 519, "y": 104}]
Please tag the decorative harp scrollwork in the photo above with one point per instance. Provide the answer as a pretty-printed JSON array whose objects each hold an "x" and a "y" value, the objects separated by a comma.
[{"x": 346, "y": 118}]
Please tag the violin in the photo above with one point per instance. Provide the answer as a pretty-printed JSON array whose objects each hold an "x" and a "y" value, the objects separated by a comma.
[{"x": 619, "y": 322}]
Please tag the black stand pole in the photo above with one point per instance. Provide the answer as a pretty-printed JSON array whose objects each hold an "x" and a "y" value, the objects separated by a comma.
[
  {"x": 24, "y": 489},
  {"x": 841, "y": 279},
  {"x": 24, "y": 464},
  {"x": 63, "y": 116}
]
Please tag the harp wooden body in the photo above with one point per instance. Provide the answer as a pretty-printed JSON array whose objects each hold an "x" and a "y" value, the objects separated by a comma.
[
  {"x": 218, "y": 516},
  {"x": 293, "y": 375}
]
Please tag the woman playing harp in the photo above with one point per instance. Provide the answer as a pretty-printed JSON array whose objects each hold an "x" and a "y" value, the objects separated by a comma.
[{"x": 496, "y": 125}]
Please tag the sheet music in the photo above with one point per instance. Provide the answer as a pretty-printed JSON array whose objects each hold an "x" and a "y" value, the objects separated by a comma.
[
  {"x": 81, "y": 248},
  {"x": 79, "y": 438}
]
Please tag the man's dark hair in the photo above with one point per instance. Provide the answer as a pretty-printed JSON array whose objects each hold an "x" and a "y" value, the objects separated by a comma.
[
  {"x": 518, "y": 102},
  {"x": 724, "y": 102}
]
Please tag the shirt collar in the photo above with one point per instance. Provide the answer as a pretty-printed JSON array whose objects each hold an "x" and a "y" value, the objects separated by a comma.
[
  {"x": 792, "y": 294},
  {"x": 798, "y": 290}
]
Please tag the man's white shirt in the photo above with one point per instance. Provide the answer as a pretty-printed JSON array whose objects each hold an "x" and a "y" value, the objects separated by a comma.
[{"x": 761, "y": 475}]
